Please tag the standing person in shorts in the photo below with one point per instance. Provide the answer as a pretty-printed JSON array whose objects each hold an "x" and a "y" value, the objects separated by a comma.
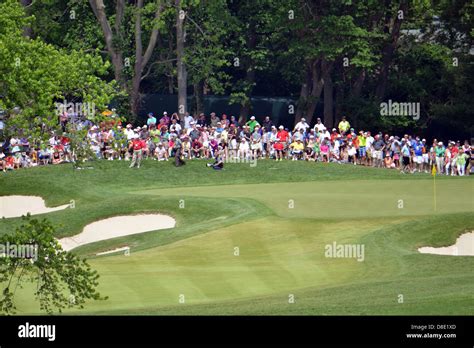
[
  {"x": 405, "y": 156},
  {"x": 378, "y": 150},
  {"x": 362, "y": 147},
  {"x": 418, "y": 155},
  {"x": 396, "y": 150},
  {"x": 368, "y": 148},
  {"x": 255, "y": 143}
]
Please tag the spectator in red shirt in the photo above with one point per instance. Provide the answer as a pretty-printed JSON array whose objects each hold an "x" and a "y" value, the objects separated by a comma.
[
  {"x": 197, "y": 148},
  {"x": 334, "y": 134},
  {"x": 137, "y": 145},
  {"x": 282, "y": 136}
]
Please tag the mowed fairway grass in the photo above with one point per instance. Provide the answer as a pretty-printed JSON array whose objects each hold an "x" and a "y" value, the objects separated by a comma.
[{"x": 248, "y": 239}]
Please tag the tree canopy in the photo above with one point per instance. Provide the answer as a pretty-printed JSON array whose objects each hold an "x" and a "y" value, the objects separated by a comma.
[{"x": 342, "y": 57}]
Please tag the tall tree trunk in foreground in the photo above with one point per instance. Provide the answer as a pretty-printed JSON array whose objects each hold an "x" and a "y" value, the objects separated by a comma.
[
  {"x": 310, "y": 93},
  {"x": 181, "y": 67},
  {"x": 116, "y": 54},
  {"x": 199, "y": 97},
  {"x": 249, "y": 75},
  {"x": 393, "y": 24},
  {"x": 328, "y": 93}
]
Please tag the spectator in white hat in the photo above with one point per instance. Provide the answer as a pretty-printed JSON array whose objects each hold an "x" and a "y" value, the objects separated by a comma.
[
  {"x": 165, "y": 119},
  {"x": 440, "y": 151},
  {"x": 319, "y": 126},
  {"x": 129, "y": 132},
  {"x": 252, "y": 124},
  {"x": 301, "y": 125}
]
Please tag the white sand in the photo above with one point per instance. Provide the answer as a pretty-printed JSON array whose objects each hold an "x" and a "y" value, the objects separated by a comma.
[
  {"x": 464, "y": 247},
  {"x": 16, "y": 206},
  {"x": 113, "y": 251},
  {"x": 118, "y": 226}
]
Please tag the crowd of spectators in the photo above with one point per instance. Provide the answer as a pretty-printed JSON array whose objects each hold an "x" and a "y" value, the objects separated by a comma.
[{"x": 200, "y": 137}]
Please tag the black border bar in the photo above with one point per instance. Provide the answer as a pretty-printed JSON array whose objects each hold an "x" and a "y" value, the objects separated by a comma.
[{"x": 225, "y": 330}]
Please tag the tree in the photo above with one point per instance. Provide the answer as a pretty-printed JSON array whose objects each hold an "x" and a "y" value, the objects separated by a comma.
[
  {"x": 252, "y": 29},
  {"x": 319, "y": 37},
  {"x": 180, "y": 65},
  {"x": 36, "y": 75},
  {"x": 115, "y": 39},
  {"x": 206, "y": 54},
  {"x": 33, "y": 255}
]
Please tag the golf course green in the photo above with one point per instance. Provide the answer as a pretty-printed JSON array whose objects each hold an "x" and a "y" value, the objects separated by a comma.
[{"x": 252, "y": 240}]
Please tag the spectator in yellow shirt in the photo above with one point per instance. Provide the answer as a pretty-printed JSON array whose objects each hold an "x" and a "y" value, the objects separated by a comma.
[
  {"x": 344, "y": 126},
  {"x": 297, "y": 148}
]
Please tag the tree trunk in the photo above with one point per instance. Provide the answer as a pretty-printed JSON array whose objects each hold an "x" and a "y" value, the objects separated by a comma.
[
  {"x": 328, "y": 94},
  {"x": 310, "y": 93},
  {"x": 389, "y": 50},
  {"x": 116, "y": 55},
  {"x": 244, "y": 113},
  {"x": 338, "y": 99},
  {"x": 181, "y": 67},
  {"x": 138, "y": 68},
  {"x": 357, "y": 87},
  {"x": 246, "y": 106},
  {"x": 170, "y": 73},
  {"x": 134, "y": 96},
  {"x": 199, "y": 97},
  {"x": 117, "y": 63},
  {"x": 27, "y": 31},
  {"x": 98, "y": 8},
  {"x": 316, "y": 91},
  {"x": 300, "y": 105},
  {"x": 250, "y": 73}
]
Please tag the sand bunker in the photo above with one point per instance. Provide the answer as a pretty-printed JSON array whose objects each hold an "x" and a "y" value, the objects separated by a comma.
[
  {"x": 125, "y": 250},
  {"x": 117, "y": 226},
  {"x": 16, "y": 206},
  {"x": 464, "y": 247}
]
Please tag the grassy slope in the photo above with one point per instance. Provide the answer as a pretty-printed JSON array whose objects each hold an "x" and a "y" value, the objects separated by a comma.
[
  {"x": 430, "y": 284},
  {"x": 279, "y": 254}
]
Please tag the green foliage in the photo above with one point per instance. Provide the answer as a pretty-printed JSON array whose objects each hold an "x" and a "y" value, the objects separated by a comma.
[
  {"x": 63, "y": 280},
  {"x": 205, "y": 52},
  {"x": 244, "y": 48},
  {"x": 35, "y": 75}
]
